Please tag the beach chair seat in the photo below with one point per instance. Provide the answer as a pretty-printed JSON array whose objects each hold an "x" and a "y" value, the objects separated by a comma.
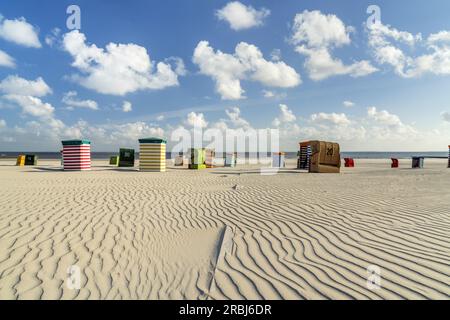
[
  {"x": 418, "y": 162},
  {"x": 349, "y": 162},
  {"x": 325, "y": 157},
  {"x": 394, "y": 163}
]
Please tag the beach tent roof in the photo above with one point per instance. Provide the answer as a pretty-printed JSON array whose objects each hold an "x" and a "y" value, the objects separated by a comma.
[
  {"x": 75, "y": 142},
  {"x": 304, "y": 143},
  {"x": 152, "y": 140}
]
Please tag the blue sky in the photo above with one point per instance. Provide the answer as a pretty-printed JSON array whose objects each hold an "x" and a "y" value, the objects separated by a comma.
[{"x": 390, "y": 105}]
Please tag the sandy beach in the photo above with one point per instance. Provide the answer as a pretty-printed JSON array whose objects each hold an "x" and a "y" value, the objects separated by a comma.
[{"x": 225, "y": 233}]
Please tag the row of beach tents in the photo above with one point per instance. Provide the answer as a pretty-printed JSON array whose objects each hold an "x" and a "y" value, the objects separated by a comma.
[
  {"x": 152, "y": 156},
  {"x": 76, "y": 156},
  {"x": 314, "y": 156},
  {"x": 200, "y": 158}
]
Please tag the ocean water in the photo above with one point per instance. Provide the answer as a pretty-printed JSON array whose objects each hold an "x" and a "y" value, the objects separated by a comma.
[{"x": 289, "y": 155}]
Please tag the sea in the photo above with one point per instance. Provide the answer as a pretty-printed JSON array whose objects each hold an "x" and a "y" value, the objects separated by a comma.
[{"x": 289, "y": 155}]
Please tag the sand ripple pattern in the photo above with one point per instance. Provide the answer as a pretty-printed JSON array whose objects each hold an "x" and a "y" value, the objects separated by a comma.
[{"x": 161, "y": 236}]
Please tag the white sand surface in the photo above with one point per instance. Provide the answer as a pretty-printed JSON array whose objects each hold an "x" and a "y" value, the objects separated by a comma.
[{"x": 225, "y": 233}]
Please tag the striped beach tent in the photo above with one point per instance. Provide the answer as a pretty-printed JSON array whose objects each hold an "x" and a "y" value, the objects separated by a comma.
[
  {"x": 448, "y": 156},
  {"x": 76, "y": 155},
  {"x": 152, "y": 154}
]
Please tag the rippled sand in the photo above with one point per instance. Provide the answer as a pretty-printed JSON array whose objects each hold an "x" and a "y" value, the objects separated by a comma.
[{"x": 225, "y": 233}]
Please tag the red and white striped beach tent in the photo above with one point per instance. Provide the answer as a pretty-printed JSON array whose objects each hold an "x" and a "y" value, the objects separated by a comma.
[{"x": 76, "y": 155}]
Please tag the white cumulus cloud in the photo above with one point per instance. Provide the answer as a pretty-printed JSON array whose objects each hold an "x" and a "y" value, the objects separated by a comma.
[
  {"x": 268, "y": 94},
  {"x": 332, "y": 118},
  {"x": 348, "y": 103},
  {"x": 234, "y": 115},
  {"x": 119, "y": 68},
  {"x": 386, "y": 43},
  {"x": 389, "y": 123},
  {"x": 6, "y": 60},
  {"x": 439, "y": 37},
  {"x": 314, "y": 35},
  {"x": 196, "y": 120},
  {"x": 53, "y": 37},
  {"x": 247, "y": 63},
  {"x": 70, "y": 99},
  {"x": 31, "y": 105},
  {"x": 384, "y": 117},
  {"x": 233, "y": 122},
  {"x": 127, "y": 106},
  {"x": 14, "y": 84},
  {"x": 20, "y": 32},
  {"x": 27, "y": 95},
  {"x": 286, "y": 116},
  {"x": 240, "y": 16}
]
